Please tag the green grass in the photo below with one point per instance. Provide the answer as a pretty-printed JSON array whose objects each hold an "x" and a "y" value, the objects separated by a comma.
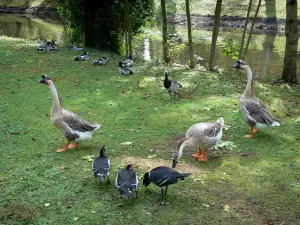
[{"x": 255, "y": 183}]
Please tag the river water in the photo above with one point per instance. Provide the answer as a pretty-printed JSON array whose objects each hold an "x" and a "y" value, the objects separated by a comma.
[{"x": 265, "y": 55}]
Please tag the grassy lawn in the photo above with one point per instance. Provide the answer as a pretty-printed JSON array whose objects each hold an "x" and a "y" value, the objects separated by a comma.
[{"x": 255, "y": 182}]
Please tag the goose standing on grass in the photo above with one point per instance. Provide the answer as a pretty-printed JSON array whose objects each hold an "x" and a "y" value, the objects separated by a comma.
[
  {"x": 74, "y": 128},
  {"x": 100, "y": 61},
  {"x": 127, "y": 182},
  {"x": 163, "y": 176},
  {"x": 255, "y": 112},
  {"x": 202, "y": 135},
  {"x": 84, "y": 57},
  {"x": 101, "y": 165},
  {"x": 171, "y": 85}
]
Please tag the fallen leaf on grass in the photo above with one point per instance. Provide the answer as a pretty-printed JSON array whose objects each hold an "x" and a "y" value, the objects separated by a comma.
[
  {"x": 47, "y": 204},
  {"x": 5, "y": 138},
  {"x": 126, "y": 143},
  {"x": 226, "y": 208},
  {"x": 151, "y": 156},
  {"x": 90, "y": 158},
  {"x": 76, "y": 218}
]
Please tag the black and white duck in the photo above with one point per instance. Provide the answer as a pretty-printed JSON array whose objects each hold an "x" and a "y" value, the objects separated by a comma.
[
  {"x": 84, "y": 57},
  {"x": 127, "y": 182},
  {"x": 100, "y": 61},
  {"x": 126, "y": 63},
  {"x": 101, "y": 165},
  {"x": 171, "y": 85},
  {"x": 202, "y": 135},
  {"x": 71, "y": 125},
  {"x": 76, "y": 48},
  {"x": 163, "y": 176},
  {"x": 126, "y": 70},
  {"x": 255, "y": 112},
  {"x": 47, "y": 46}
]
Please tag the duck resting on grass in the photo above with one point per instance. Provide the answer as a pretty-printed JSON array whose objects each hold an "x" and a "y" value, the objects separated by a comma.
[
  {"x": 73, "y": 127},
  {"x": 100, "y": 61},
  {"x": 84, "y": 57},
  {"x": 163, "y": 176},
  {"x": 202, "y": 135},
  {"x": 101, "y": 165},
  {"x": 171, "y": 85},
  {"x": 127, "y": 182},
  {"x": 126, "y": 63},
  {"x": 255, "y": 112},
  {"x": 76, "y": 48}
]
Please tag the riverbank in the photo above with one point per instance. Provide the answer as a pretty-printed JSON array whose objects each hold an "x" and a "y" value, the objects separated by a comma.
[{"x": 40, "y": 12}]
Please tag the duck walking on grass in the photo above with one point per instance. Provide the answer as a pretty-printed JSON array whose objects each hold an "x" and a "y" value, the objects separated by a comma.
[
  {"x": 73, "y": 127},
  {"x": 255, "y": 112},
  {"x": 163, "y": 176},
  {"x": 101, "y": 165},
  {"x": 202, "y": 135},
  {"x": 171, "y": 85},
  {"x": 127, "y": 182},
  {"x": 84, "y": 57}
]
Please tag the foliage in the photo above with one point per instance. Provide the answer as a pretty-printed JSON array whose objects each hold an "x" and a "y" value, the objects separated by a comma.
[
  {"x": 100, "y": 23},
  {"x": 231, "y": 48}
]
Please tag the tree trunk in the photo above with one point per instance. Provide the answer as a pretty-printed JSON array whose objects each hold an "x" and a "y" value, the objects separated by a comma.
[
  {"x": 289, "y": 73},
  {"x": 130, "y": 37},
  {"x": 244, "y": 32},
  {"x": 165, "y": 32},
  {"x": 126, "y": 12},
  {"x": 251, "y": 30},
  {"x": 188, "y": 17},
  {"x": 215, "y": 34}
]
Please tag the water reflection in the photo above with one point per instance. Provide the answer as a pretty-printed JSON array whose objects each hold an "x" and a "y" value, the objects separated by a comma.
[{"x": 32, "y": 28}]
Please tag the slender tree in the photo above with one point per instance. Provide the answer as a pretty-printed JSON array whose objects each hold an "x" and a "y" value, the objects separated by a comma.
[
  {"x": 165, "y": 32},
  {"x": 244, "y": 32},
  {"x": 126, "y": 15},
  {"x": 251, "y": 30},
  {"x": 289, "y": 73},
  {"x": 188, "y": 17},
  {"x": 215, "y": 34}
]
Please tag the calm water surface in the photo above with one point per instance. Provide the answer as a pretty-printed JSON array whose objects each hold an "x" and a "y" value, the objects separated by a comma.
[{"x": 265, "y": 54}]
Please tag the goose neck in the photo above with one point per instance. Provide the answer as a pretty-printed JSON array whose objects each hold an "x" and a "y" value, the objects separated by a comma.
[
  {"x": 249, "y": 88},
  {"x": 56, "y": 105}
]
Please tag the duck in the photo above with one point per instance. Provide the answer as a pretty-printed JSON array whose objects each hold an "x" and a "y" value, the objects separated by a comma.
[
  {"x": 163, "y": 176},
  {"x": 70, "y": 124},
  {"x": 100, "y": 61},
  {"x": 202, "y": 135},
  {"x": 47, "y": 46},
  {"x": 171, "y": 85},
  {"x": 126, "y": 63},
  {"x": 126, "y": 70},
  {"x": 84, "y": 57},
  {"x": 101, "y": 165},
  {"x": 255, "y": 112},
  {"x": 76, "y": 48},
  {"x": 127, "y": 181}
]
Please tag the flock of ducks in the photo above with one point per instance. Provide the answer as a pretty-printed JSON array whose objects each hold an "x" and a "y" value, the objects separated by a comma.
[{"x": 202, "y": 136}]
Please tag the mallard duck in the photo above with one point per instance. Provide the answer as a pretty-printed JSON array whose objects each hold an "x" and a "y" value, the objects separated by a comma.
[
  {"x": 127, "y": 181},
  {"x": 255, "y": 112},
  {"x": 84, "y": 57},
  {"x": 101, "y": 165},
  {"x": 126, "y": 63},
  {"x": 74, "y": 128},
  {"x": 163, "y": 176},
  {"x": 202, "y": 135},
  {"x": 76, "y": 48},
  {"x": 171, "y": 85},
  {"x": 47, "y": 46},
  {"x": 100, "y": 61},
  {"x": 125, "y": 70}
]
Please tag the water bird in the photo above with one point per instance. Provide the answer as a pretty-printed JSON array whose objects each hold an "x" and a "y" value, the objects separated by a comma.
[
  {"x": 101, "y": 165},
  {"x": 163, "y": 176},
  {"x": 100, "y": 61},
  {"x": 126, "y": 70},
  {"x": 255, "y": 112},
  {"x": 70, "y": 124},
  {"x": 127, "y": 182},
  {"x": 171, "y": 85},
  {"x": 84, "y": 57},
  {"x": 126, "y": 63},
  {"x": 76, "y": 48},
  {"x": 47, "y": 46},
  {"x": 202, "y": 135}
]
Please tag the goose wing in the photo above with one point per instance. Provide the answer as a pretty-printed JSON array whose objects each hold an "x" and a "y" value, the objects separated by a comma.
[
  {"x": 255, "y": 112},
  {"x": 74, "y": 122}
]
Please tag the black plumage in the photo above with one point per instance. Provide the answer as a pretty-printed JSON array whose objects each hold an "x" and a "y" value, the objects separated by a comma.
[
  {"x": 127, "y": 182},
  {"x": 163, "y": 176},
  {"x": 171, "y": 85},
  {"x": 84, "y": 57},
  {"x": 101, "y": 165}
]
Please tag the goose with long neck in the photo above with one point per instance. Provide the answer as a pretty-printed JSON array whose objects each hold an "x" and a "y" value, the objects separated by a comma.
[
  {"x": 73, "y": 127},
  {"x": 255, "y": 112},
  {"x": 202, "y": 135}
]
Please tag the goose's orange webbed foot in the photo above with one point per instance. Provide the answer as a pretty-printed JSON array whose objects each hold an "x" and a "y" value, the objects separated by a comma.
[
  {"x": 73, "y": 146},
  {"x": 199, "y": 154},
  {"x": 249, "y": 136}
]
